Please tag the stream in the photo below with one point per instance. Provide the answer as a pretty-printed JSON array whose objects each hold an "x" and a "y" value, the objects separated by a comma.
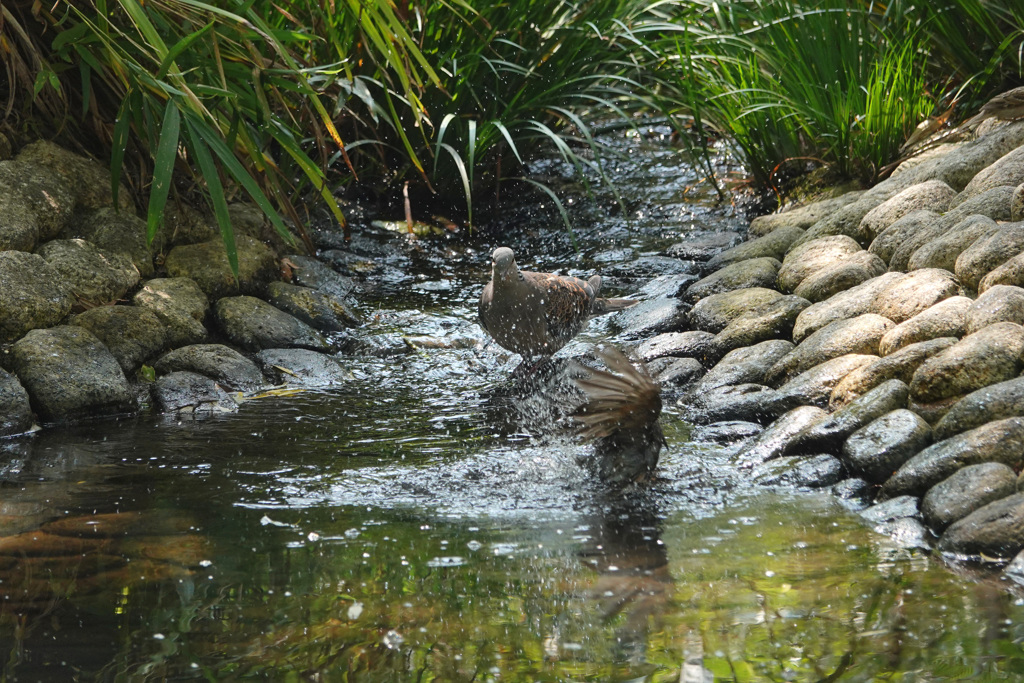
[{"x": 401, "y": 528}]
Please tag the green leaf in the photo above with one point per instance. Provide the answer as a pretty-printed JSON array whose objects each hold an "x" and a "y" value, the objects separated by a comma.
[
  {"x": 119, "y": 144},
  {"x": 163, "y": 168},
  {"x": 216, "y": 191}
]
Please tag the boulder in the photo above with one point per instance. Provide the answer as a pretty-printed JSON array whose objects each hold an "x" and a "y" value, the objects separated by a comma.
[
  {"x": 49, "y": 198},
  {"x": 256, "y": 325},
  {"x": 746, "y": 402},
  {"x": 661, "y": 287},
  {"x": 188, "y": 392},
  {"x": 1017, "y": 204},
  {"x": 775, "y": 245},
  {"x": 858, "y": 335},
  {"x": 88, "y": 179},
  {"x": 773, "y": 441},
  {"x": 120, "y": 232},
  {"x": 692, "y": 344},
  {"x": 903, "y": 507},
  {"x": 95, "y": 276},
  {"x": 934, "y": 195},
  {"x": 19, "y": 229},
  {"x": 957, "y": 170},
  {"x": 15, "y": 410},
  {"x": 1008, "y": 170},
  {"x": 713, "y": 313},
  {"x": 704, "y": 248},
  {"x": 988, "y": 253},
  {"x": 132, "y": 334},
  {"x": 727, "y": 433},
  {"x": 901, "y": 255},
  {"x": 302, "y": 367},
  {"x": 915, "y": 293},
  {"x": 220, "y": 363},
  {"x": 676, "y": 374},
  {"x": 755, "y": 272},
  {"x": 320, "y": 310},
  {"x": 34, "y": 294},
  {"x": 890, "y": 239},
  {"x": 932, "y": 411},
  {"x": 815, "y": 471},
  {"x": 801, "y": 216},
  {"x": 813, "y": 387},
  {"x": 206, "y": 263},
  {"x": 828, "y": 435},
  {"x": 774, "y": 321},
  {"x": 942, "y": 320},
  {"x": 943, "y": 251},
  {"x": 846, "y": 220},
  {"x": 999, "y": 441},
  {"x": 841, "y": 276},
  {"x": 650, "y": 317},
  {"x": 849, "y": 304},
  {"x": 997, "y": 304},
  {"x": 311, "y": 272},
  {"x": 879, "y": 448},
  {"x": 992, "y": 402},
  {"x": 69, "y": 374},
  {"x": 994, "y": 203},
  {"x": 812, "y": 256},
  {"x": 993, "y": 530},
  {"x": 747, "y": 365},
  {"x": 1009, "y": 273},
  {"x": 900, "y": 365},
  {"x": 180, "y": 305},
  {"x": 965, "y": 491},
  {"x": 986, "y": 357}
]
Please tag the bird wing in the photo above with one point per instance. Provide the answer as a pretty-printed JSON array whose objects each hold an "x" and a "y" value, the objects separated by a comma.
[
  {"x": 486, "y": 297},
  {"x": 567, "y": 303}
]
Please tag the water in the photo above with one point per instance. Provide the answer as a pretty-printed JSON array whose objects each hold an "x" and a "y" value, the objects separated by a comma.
[{"x": 399, "y": 528}]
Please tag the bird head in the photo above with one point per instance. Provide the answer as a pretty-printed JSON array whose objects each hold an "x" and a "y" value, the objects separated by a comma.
[{"x": 503, "y": 264}]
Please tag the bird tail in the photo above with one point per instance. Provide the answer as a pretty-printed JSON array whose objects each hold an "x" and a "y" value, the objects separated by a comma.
[
  {"x": 602, "y": 306},
  {"x": 622, "y": 399}
]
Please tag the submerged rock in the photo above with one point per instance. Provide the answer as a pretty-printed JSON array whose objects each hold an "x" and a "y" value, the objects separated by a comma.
[
  {"x": 993, "y": 530},
  {"x": 965, "y": 491},
  {"x": 986, "y": 357},
  {"x": 190, "y": 392},
  {"x": 945, "y": 319},
  {"x": 302, "y": 367},
  {"x": 878, "y": 449},
  {"x": 34, "y": 294},
  {"x": 815, "y": 471},
  {"x": 229, "y": 368},
  {"x": 903, "y": 507},
  {"x": 255, "y": 325},
  {"x": 900, "y": 365},
  {"x": 858, "y": 335}
]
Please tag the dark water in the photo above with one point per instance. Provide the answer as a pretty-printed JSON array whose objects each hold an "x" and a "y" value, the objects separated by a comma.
[{"x": 400, "y": 529}]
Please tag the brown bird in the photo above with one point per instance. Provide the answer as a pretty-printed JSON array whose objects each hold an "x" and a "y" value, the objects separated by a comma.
[
  {"x": 535, "y": 314},
  {"x": 1006, "y": 106}
]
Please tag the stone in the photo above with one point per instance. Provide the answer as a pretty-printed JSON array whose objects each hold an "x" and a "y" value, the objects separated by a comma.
[
  {"x": 774, "y": 321},
  {"x": 902, "y": 507},
  {"x": 220, "y": 363},
  {"x": 256, "y": 325},
  {"x": 1009, "y": 273},
  {"x": 747, "y": 365},
  {"x": 704, "y": 248},
  {"x": 773, "y": 441},
  {"x": 311, "y": 272},
  {"x": 188, "y": 392},
  {"x": 932, "y": 411},
  {"x": 900, "y": 365},
  {"x": 775, "y": 245},
  {"x": 320, "y": 310},
  {"x": 94, "y": 276},
  {"x": 841, "y": 276},
  {"x": 1017, "y": 204},
  {"x": 119, "y": 232},
  {"x": 915, "y": 293},
  {"x": 302, "y": 367},
  {"x": 828, "y": 435},
  {"x": 986, "y": 357},
  {"x": 999, "y": 441},
  {"x": 664, "y": 287},
  {"x": 853, "y": 493},
  {"x": 756, "y": 272},
  {"x": 844, "y": 305},
  {"x": 132, "y": 334},
  {"x": 881, "y": 447},
  {"x": 816, "y": 471},
  {"x": 15, "y": 411},
  {"x": 1000, "y": 303},
  {"x": 34, "y": 294},
  {"x": 906, "y": 533},
  {"x": 1015, "y": 570},
  {"x": 943, "y": 251},
  {"x": 812, "y": 256},
  {"x": 957, "y": 170},
  {"x": 992, "y": 402},
  {"x": 988, "y": 253},
  {"x": 180, "y": 305},
  {"x": 846, "y": 220},
  {"x": 1008, "y": 170},
  {"x": 651, "y": 317},
  {"x": 965, "y": 491},
  {"x": 726, "y": 433},
  {"x": 49, "y": 197},
  {"x": 206, "y": 263},
  {"x": 69, "y": 374},
  {"x": 993, "y": 203},
  {"x": 88, "y": 179},
  {"x": 890, "y": 239},
  {"x": 900, "y": 260},
  {"x": 746, "y": 402},
  {"x": 934, "y": 195},
  {"x": 801, "y": 216},
  {"x": 713, "y": 313},
  {"x": 678, "y": 373},
  {"x": 19, "y": 229},
  {"x": 993, "y": 530},
  {"x": 858, "y": 335},
  {"x": 692, "y": 344},
  {"x": 942, "y": 320},
  {"x": 815, "y": 386}
]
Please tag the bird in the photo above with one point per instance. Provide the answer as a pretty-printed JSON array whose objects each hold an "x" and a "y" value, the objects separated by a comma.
[
  {"x": 536, "y": 314},
  {"x": 1005, "y": 106}
]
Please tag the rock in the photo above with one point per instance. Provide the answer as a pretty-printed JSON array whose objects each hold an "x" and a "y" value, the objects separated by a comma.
[
  {"x": 993, "y": 530},
  {"x": 965, "y": 491},
  {"x": 1000, "y": 303},
  {"x": 811, "y": 257},
  {"x": 773, "y": 441},
  {"x": 906, "y": 533},
  {"x": 34, "y": 294},
  {"x": 900, "y": 260},
  {"x": 226, "y": 366},
  {"x": 814, "y": 386},
  {"x": 943, "y": 251},
  {"x": 726, "y": 432},
  {"x": 992, "y": 402},
  {"x": 132, "y": 334},
  {"x": 318, "y": 309},
  {"x": 713, "y": 313},
  {"x": 849, "y": 304},
  {"x": 971, "y": 158},
  {"x": 846, "y": 220},
  {"x": 189, "y": 392},
  {"x": 902, "y": 507},
  {"x": 88, "y": 179},
  {"x": 180, "y": 305},
  {"x": 19, "y": 229},
  {"x": 775, "y": 245},
  {"x": 746, "y": 402},
  {"x": 302, "y": 367},
  {"x": 986, "y": 357},
  {"x": 1008, "y": 170},
  {"x": 932, "y": 411},
  {"x": 692, "y": 344},
  {"x": 828, "y": 435},
  {"x": 915, "y": 293},
  {"x": 704, "y": 248},
  {"x": 993, "y": 203},
  {"x": 94, "y": 276},
  {"x": 841, "y": 276},
  {"x": 999, "y": 441},
  {"x": 651, "y": 266},
  {"x": 1017, "y": 204},
  {"x": 1009, "y": 273},
  {"x": 987, "y": 254},
  {"x": 942, "y": 320},
  {"x": 650, "y": 317},
  {"x": 206, "y": 263},
  {"x": 677, "y": 373},
  {"x": 801, "y": 216},
  {"x": 756, "y": 272},
  {"x": 256, "y": 325},
  {"x": 49, "y": 198},
  {"x": 15, "y": 411},
  {"x": 934, "y": 195},
  {"x": 664, "y": 287},
  {"x": 815, "y": 471},
  {"x": 69, "y": 374},
  {"x": 1015, "y": 570},
  {"x": 858, "y": 335},
  {"x": 900, "y": 365},
  {"x": 310, "y": 272},
  {"x": 120, "y": 232},
  {"x": 747, "y": 365},
  {"x": 774, "y": 321},
  {"x": 890, "y": 239},
  {"x": 878, "y": 449},
  {"x": 853, "y": 493}
]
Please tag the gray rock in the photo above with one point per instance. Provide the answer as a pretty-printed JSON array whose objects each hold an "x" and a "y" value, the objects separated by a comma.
[
  {"x": 49, "y": 197},
  {"x": 915, "y": 293},
  {"x": 1008, "y": 170},
  {"x": 841, "y": 276},
  {"x": 942, "y": 320},
  {"x": 664, "y": 287},
  {"x": 256, "y": 325},
  {"x": 311, "y": 272},
  {"x": 931, "y": 194},
  {"x": 728, "y": 432},
  {"x": 890, "y": 239},
  {"x": 1015, "y": 570},
  {"x": 650, "y": 266},
  {"x": 880, "y": 448},
  {"x": 965, "y": 491},
  {"x": 900, "y": 365},
  {"x": 812, "y": 256},
  {"x": 120, "y": 232},
  {"x": 828, "y": 435},
  {"x": 988, "y": 253},
  {"x": 900, "y": 260},
  {"x": 88, "y": 179},
  {"x": 1017, "y": 204},
  {"x": 801, "y": 216},
  {"x": 678, "y": 373},
  {"x": 853, "y": 493},
  {"x": 902, "y": 507},
  {"x": 773, "y": 441},
  {"x": 188, "y": 392},
  {"x": 846, "y": 220},
  {"x": 180, "y": 305},
  {"x": 943, "y": 251},
  {"x": 704, "y": 248},
  {"x": 713, "y": 313},
  {"x": 992, "y": 402},
  {"x": 906, "y": 532},
  {"x": 774, "y": 321},
  {"x": 131, "y": 333},
  {"x": 746, "y": 402},
  {"x": 220, "y": 363},
  {"x": 999, "y": 441},
  {"x": 993, "y": 530},
  {"x": 986, "y": 357},
  {"x": 302, "y": 367},
  {"x": 971, "y": 158},
  {"x": 815, "y": 386},
  {"x": 1009, "y": 273},
  {"x": 19, "y": 229},
  {"x": 15, "y": 411},
  {"x": 849, "y": 304},
  {"x": 755, "y": 272},
  {"x": 34, "y": 294},
  {"x": 993, "y": 203},
  {"x": 858, "y": 335},
  {"x": 999, "y": 303},
  {"x": 207, "y": 264},
  {"x": 94, "y": 275},
  {"x": 650, "y": 317},
  {"x": 320, "y": 310},
  {"x": 775, "y": 244},
  {"x": 692, "y": 344},
  {"x": 69, "y": 374},
  {"x": 816, "y": 471},
  {"x": 747, "y": 365}
]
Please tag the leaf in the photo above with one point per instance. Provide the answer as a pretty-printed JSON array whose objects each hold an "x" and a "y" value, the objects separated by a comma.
[
  {"x": 163, "y": 168},
  {"x": 216, "y": 191}
]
